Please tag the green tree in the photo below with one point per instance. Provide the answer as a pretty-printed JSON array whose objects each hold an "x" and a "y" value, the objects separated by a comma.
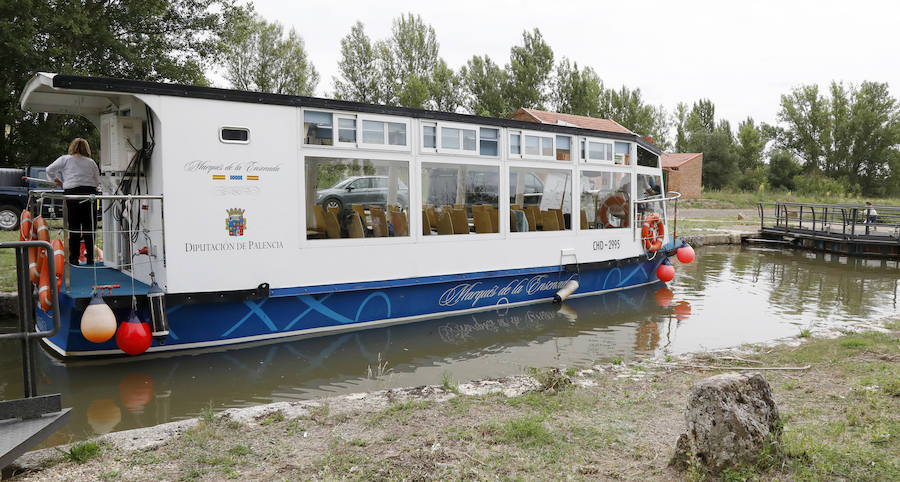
[
  {"x": 576, "y": 91},
  {"x": 159, "y": 40},
  {"x": 851, "y": 136},
  {"x": 259, "y": 57},
  {"x": 482, "y": 81},
  {"x": 528, "y": 72},
  {"x": 782, "y": 169},
  {"x": 716, "y": 142},
  {"x": 445, "y": 88},
  {"x": 359, "y": 68},
  {"x": 627, "y": 107},
  {"x": 680, "y": 121},
  {"x": 408, "y": 58},
  {"x": 750, "y": 145}
]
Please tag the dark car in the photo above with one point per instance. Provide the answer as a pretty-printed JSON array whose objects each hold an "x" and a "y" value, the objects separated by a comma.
[
  {"x": 14, "y": 195},
  {"x": 367, "y": 190}
]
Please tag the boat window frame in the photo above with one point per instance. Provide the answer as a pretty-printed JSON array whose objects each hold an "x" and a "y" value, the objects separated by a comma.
[
  {"x": 414, "y": 224},
  {"x": 446, "y": 151},
  {"x": 610, "y": 168},
  {"x": 234, "y": 128},
  {"x": 360, "y": 118},
  {"x": 336, "y": 142},
  {"x": 573, "y": 185},
  {"x": 481, "y": 161},
  {"x": 586, "y": 154},
  {"x": 540, "y": 157}
]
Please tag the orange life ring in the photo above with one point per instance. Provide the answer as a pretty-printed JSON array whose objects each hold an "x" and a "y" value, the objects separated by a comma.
[
  {"x": 44, "y": 290},
  {"x": 42, "y": 233},
  {"x": 59, "y": 258},
  {"x": 652, "y": 232},
  {"x": 614, "y": 200},
  {"x": 33, "y": 265},
  {"x": 25, "y": 223}
]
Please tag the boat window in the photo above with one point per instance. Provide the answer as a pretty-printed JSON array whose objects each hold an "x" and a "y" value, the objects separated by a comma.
[
  {"x": 396, "y": 134},
  {"x": 449, "y": 138},
  {"x": 373, "y": 132},
  {"x": 318, "y": 128},
  {"x": 489, "y": 141},
  {"x": 540, "y": 199},
  {"x": 346, "y": 130},
  {"x": 539, "y": 147},
  {"x": 600, "y": 151},
  {"x": 515, "y": 144},
  {"x": 605, "y": 200},
  {"x": 647, "y": 158},
  {"x": 563, "y": 148},
  {"x": 649, "y": 187},
  {"x": 532, "y": 145},
  {"x": 623, "y": 153},
  {"x": 356, "y": 198},
  {"x": 429, "y": 136},
  {"x": 468, "y": 139},
  {"x": 460, "y": 198},
  {"x": 236, "y": 135}
]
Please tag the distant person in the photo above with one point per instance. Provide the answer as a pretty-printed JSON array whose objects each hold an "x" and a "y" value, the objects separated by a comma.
[
  {"x": 77, "y": 173},
  {"x": 871, "y": 213}
]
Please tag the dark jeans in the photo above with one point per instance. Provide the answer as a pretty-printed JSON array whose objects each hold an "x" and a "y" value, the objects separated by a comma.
[{"x": 82, "y": 217}]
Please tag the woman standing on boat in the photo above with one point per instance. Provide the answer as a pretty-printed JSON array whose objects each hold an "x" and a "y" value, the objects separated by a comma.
[{"x": 77, "y": 173}]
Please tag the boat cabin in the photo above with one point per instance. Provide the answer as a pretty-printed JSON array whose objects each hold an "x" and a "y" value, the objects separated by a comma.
[{"x": 300, "y": 193}]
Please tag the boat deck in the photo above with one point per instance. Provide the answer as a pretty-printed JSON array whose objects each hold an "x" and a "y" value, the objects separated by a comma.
[{"x": 82, "y": 281}]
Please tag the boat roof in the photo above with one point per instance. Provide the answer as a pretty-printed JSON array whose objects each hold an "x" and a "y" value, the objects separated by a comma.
[{"x": 106, "y": 84}]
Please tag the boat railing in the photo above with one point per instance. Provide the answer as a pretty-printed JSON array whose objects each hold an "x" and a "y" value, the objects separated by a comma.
[
  {"x": 880, "y": 224},
  {"x": 659, "y": 199},
  {"x": 122, "y": 206}
]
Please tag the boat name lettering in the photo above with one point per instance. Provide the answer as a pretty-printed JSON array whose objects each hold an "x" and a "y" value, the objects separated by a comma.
[
  {"x": 249, "y": 166},
  {"x": 232, "y": 246},
  {"x": 474, "y": 292}
]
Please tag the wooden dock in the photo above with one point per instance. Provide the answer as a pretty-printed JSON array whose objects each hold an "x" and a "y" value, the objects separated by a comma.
[{"x": 851, "y": 229}]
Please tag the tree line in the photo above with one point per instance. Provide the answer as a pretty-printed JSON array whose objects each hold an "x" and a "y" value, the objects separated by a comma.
[{"x": 844, "y": 141}]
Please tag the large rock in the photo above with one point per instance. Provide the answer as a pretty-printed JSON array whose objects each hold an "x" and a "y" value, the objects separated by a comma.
[{"x": 730, "y": 419}]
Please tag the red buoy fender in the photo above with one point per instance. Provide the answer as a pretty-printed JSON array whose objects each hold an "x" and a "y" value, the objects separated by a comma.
[
  {"x": 685, "y": 254},
  {"x": 665, "y": 272},
  {"x": 652, "y": 232},
  {"x": 133, "y": 336}
]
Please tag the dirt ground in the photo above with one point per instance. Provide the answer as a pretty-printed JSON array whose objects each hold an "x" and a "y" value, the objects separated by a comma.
[{"x": 613, "y": 421}]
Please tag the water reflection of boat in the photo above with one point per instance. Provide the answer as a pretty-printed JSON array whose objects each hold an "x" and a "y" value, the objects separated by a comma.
[{"x": 115, "y": 396}]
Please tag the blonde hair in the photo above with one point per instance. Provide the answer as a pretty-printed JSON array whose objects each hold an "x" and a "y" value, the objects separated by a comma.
[{"x": 80, "y": 147}]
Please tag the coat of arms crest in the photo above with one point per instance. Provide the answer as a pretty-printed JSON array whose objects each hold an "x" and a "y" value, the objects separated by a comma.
[{"x": 235, "y": 223}]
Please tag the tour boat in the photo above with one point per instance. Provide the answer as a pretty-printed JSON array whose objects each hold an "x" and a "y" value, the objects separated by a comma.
[{"x": 231, "y": 217}]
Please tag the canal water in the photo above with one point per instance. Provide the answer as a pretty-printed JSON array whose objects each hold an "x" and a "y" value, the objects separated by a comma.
[{"x": 728, "y": 296}]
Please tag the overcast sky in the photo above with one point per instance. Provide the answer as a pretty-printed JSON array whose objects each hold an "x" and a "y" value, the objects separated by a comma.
[{"x": 741, "y": 55}]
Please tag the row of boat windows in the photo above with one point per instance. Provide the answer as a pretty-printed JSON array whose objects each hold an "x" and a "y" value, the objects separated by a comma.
[
  {"x": 358, "y": 198},
  {"x": 319, "y": 129}
]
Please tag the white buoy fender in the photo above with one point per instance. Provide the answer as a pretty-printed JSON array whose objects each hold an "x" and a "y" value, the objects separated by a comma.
[{"x": 566, "y": 290}]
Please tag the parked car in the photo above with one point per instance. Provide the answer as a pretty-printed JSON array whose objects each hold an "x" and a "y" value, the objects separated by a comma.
[
  {"x": 14, "y": 195},
  {"x": 367, "y": 190}
]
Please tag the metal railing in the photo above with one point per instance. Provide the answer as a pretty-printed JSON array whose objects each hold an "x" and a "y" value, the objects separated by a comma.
[
  {"x": 662, "y": 199},
  {"x": 125, "y": 200},
  {"x": 837, "y": 221}
]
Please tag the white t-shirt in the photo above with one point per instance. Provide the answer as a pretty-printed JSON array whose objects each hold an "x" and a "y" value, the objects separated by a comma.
[{"x": 74, "y": 171}]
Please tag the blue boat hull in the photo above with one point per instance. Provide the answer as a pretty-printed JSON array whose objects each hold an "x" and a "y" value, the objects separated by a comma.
[{"x": 332, "y": 309}]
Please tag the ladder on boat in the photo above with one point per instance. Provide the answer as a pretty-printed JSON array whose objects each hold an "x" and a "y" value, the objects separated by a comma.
[{"x": 27, "y": 421}]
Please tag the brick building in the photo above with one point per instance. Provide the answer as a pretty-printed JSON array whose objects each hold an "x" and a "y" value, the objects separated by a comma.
[{"x": 683, "y": 173}]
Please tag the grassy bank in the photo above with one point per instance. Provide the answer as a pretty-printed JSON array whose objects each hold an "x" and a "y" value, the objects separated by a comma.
[
  {"x": 730, "y": 199},
  {"x": 841, "y": 421}
]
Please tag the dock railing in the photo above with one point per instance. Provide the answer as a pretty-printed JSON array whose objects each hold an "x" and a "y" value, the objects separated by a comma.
[
  {"x": 27, "y": 421},
  {"x": 843, "y": 222}
]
